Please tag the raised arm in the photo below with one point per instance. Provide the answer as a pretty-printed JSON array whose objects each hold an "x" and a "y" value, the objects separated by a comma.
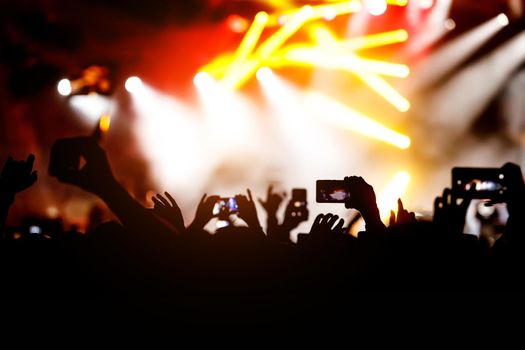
[{"x": 16, "y": 176}]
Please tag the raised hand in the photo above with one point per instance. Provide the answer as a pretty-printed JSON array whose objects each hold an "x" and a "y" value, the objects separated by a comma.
[
  {"x": 94, "y": 176},
  {"x": 326, "y": 226},
  {"x": 363, "y": 198},
  {"x": 204, "y": 212},
  {"x": 247, "y": 210},
  {"x": 403, "y": 215},
  {"x": 167, "y": 208},
  {"x": 293, "y": 216},
  {"x": 449, "y": 216},
  {"x": 80, "y": 161},
  {"x": 272, "y": 202},
  {"x": 17, "y": 176},
  {"x": 515, "y": 194}
]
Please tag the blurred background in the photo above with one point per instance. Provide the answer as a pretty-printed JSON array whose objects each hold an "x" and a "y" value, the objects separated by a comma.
[{"x": 215, "y": 96}]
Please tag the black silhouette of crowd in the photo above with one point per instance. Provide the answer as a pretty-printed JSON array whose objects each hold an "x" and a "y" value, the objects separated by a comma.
[{"x": 151, "y": 253}]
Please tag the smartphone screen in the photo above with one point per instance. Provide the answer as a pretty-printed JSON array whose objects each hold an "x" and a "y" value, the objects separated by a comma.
[
  {"x": 331, "y": 191},
  {"x": 299, "y": 197},
  {"x": 478, "y": 183},
  {"x": 225, "y": 205}
]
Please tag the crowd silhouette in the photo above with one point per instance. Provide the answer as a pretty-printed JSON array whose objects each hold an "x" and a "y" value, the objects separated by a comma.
[{"x": 151, "y": 253}]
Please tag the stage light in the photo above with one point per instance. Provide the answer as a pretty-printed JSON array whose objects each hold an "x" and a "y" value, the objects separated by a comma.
[
  {"x": 387, "y": 199},
  {"x": 449, "y": 24},
  {"x": 384, "y": 89},
  {"x": 104, "y": 122},
  {"x": 376, "y": 7},
  {"x": 425, "y": 4},
  {"x": 396, "y": 2},
  {"x": 264, "y": 73},
  {"x": 503, "y": 20},
  {"x": 251, "y": 38},
  {"x": 236, "y": 23},
  {"x": 92, "y": 106},
  {"x": 348, "y": 118},
  {"x": 64, "y": 87},
  {"x": 349, "y": 63},
  {"x": 452, "y": 54},
  {"x": 133, "y": 84},
  {"x": 202, "y": 79},
  {"x": 330, "y": 14},
  {"x": 244, "y": 69}
]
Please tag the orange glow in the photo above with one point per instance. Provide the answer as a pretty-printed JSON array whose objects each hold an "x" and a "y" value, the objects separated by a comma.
[{"x": 104, "y": 123}]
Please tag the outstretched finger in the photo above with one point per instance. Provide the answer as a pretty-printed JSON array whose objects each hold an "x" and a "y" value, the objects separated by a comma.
[
  {"x": 339, "y": 227},
  {"x": 249, "y": 194},
  {"x": 392, "y": 220},
  {"x": 170, "y": 198},
  {"x": 29, "y": 162},
  {"x": 156, "y": 202},
  {"x": 269, "y": 192},
  {"x": 399, "y": 205},
  {"x": 163, "y": 200}
]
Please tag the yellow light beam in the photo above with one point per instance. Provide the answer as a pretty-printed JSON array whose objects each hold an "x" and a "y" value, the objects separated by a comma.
[
  {"x": 104, "y": 123},
  {"x": 350, "y": 63},
  {"x": 319, "y": 11},
  {"x": 252, "y": 36},
  {"x": 387, "y": 199},
  {"x": 239, "y": 76},
  {"x": 375, "y": 40},
  {"x": 384, "y": 89},
  {"x": 397, "y": 2},
  {"x": 349, "y": 118}
]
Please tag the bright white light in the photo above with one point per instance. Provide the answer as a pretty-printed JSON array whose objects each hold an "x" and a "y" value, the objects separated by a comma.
[
  {"x": 449, "y": 24},
  {"x": 64, "y": 87},
  {"x": 202, "y": 79},
  {"x": 264, "y": 73},
  {"x": 387, "y": 199},
  {"x": 425, "y": 4},
  {"x": 329, "y": 14},
  {"x": 503, "y": 20},
  {"x": 35, "y": 230},
  {"x": 133, "y": 85},
  {"x": 376, "y": 7},
  {"x": 91, "y": 107}
]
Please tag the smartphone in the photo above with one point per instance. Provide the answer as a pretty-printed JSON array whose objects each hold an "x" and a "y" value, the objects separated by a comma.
[
  {"x": 226, "y": 205},
  {"x": 478, "y": 183},
  {"x": 331, "y": 191},
  {"x": 298, "y": 197}
]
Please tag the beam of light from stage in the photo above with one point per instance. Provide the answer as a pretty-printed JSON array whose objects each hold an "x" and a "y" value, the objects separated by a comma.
[
  {"x": 318, "y": 11},
  {"x": 384, "y": 89},
  {"x": 348, "y": 118},
  {"x": 375, "y": 82},
  {"x": 168, "y": 133},
  {"x": 349, "y": 62},
  {"x": 246, "y": 47},
  {"x": 387, "y": 199},
  {"x": 463, "y": 97},
  {"x": 91, "y": 107},
  {"x": 237, "y": 77},
  {"x": 437, "y": 24},
  {"x": 454, "y": 53},
  {"x": 302, "y": 147},
  {"x": 229, "y": 118}
]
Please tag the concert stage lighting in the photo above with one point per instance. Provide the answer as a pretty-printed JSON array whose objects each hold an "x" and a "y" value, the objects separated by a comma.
[
  {"x": 133, "y": 84},
  {"x": 64, "y": 87},
  {"x": 376, "y": 7},
  {"x": 387, "y": 199},
  {"x": 348, "y": 118}
]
